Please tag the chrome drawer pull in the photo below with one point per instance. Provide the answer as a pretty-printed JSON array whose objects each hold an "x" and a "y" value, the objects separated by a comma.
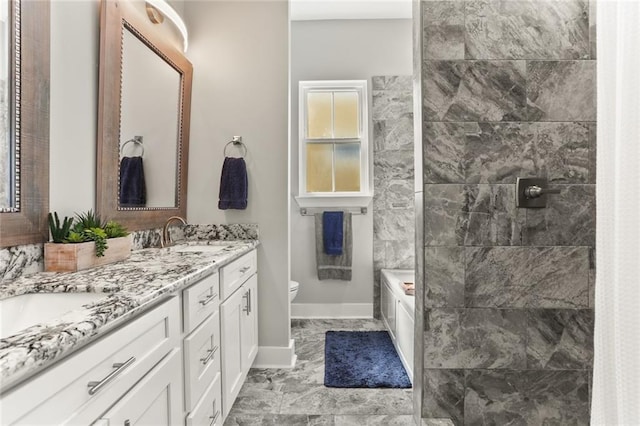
[
  {"x": 245, "y": 269},
  {"x": 247, "y": 308},
  {"x": 210, "y": 354},
  {"x": 214, "y": 418},
  {"x": 208, "y": 299},
  {"x": 119, "y": 368}
]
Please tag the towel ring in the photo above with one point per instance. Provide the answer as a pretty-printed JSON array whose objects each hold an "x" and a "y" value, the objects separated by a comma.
[
  {"x": 237, "y": 140},
  {"x": 136, "y": 140}
]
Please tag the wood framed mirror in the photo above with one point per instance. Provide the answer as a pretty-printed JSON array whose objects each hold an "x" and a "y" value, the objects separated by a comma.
[
  {"x": 24, "y": 127},
  {"x": 143, "y": 119}
]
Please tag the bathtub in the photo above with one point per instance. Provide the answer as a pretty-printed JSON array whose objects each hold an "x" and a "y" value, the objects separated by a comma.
[{"x": 398, "y": 313}]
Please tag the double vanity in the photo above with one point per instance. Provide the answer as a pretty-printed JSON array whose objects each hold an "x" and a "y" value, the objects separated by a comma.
[{"x": 166, "y": 337}]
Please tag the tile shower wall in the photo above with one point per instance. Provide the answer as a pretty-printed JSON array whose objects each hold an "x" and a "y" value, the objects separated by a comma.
[
  {"x": 508, "y": 91},
  {"x": 393, "y": 176}
]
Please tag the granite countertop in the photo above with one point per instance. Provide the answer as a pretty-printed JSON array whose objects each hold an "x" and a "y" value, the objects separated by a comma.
[{"x": 131, "y": 285}]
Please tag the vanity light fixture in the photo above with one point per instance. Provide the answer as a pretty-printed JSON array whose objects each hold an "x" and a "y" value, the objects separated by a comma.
[{"x": 165, "y": 9}]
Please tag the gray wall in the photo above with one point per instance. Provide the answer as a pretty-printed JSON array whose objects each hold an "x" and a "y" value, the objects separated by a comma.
[
  {"x": 508, "y": 91},
  {"x": 340, "y": 50},
  {"x": 239, "y": 52},
  {"x": 393, "y": 158}
]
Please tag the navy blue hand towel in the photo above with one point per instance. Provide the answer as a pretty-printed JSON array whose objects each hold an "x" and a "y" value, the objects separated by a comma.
[
  {"x": 233, "y": 184},
  {"x": 133, "y": 191},
  {"x": 332, "y": 232}
]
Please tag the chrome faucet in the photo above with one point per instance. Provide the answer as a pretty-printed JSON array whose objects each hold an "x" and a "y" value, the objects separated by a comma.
[{"x": 165, "y": 241}]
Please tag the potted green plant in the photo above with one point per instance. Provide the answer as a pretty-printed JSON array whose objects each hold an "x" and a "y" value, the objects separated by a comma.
[{"x": 84, "y": 242}]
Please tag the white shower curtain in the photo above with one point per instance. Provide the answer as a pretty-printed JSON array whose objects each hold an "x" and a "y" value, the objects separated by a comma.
[{"x": 616, "y": 382}]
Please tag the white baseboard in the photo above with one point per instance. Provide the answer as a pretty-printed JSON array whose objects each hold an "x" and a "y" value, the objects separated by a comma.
[
  {"x": 332, "y": 310},
  {"x": 276, "y": 356}
]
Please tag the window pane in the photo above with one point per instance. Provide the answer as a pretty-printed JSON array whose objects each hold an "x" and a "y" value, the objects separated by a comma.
[
  {"x": 319, "y": 167},
  {"x": 345, "y": 114},
  {"x": 347, "y": 157},
  {"x": 319, "y": 115}
]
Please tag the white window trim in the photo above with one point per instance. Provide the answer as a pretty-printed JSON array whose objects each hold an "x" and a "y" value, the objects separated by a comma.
[{"x": 361, "y": 198}]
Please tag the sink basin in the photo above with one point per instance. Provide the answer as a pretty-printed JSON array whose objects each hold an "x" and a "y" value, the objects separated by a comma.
[
  {"x": 198, "y": 249},
  {"x": 26, "y": 310}
]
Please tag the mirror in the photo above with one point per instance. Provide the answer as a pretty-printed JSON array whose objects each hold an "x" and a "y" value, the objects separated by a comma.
[
  {"x": 145, "y": 92},
  {"x": 24, "y": 121}
]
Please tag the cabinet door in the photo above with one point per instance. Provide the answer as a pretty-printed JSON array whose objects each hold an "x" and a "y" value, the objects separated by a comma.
[
  {"x": 249, "y": 323},
  {"x": 388, "y": 306},
  {"x": 155, "y": 401},
  {"x": 404, "y": 337},
  {"x": 231, "y": 318}
]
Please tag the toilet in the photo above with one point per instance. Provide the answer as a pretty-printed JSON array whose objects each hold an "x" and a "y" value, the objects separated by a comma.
[{"x": 293, "y": 290}]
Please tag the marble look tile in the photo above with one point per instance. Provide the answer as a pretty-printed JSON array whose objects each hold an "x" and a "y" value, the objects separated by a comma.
[
  {"x": 251, "y": 419},
  {"x": 559, "y": 339},
  {"x": 392, "y": 82},
  {"x": 390, "y": 420},
  {"x": 592, "y": 277},
  {"x": 475, "y": 338},
  {"x": 593, "y": 45},
  {"x": 21, "y": 260},
  {"x": 400, "y": 254},
  {"x": 259, "y": 398},
  {"x": 391, "y": 104},
  {"x": 393, "y": 165},
  {"x": 568, "y": 220},
  {"x": 491, "y": 216},
  {"x": 443, "y": 152},
  {"x": 437, "y": 422},
  {"x": 593, "y": 151},
  {"x": 472, "y": 215},
  {"x": 443, "y": 30},
  {"x": 316, "y": 328},
  {"x": 392, "y": 194},
  {"x": 443, "y": 221},
  {"x": 474, "y": 90},
  {"x": 521, "y": 277},
  {"x": 529, "y": 29},
  {"x": 561, "y": 90},
  {"x": 497, "y": 152},
  {"x": 399, "y": 225},
  {"x": 444, "y": 281},
  {"x": 495, "y": 397},
  {"x": 394, "y": 134},
  {"x": 379, "y": 248},
  {"x": 443, "y": 395},
  {"x": 310, "y": 399},
  {"x": 561, "y": 151}
]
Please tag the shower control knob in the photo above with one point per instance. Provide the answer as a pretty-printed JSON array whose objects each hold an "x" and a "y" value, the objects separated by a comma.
[
  {"x": 531, "y": 193},
  {"x": 534, "y": 191}
]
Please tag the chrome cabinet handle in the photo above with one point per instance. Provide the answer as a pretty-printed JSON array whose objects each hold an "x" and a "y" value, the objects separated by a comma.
[
  {"x": 208, "y": 299},
  {"x": 245, "y": 269},
  {"x": 247, "y": 307},
  {"x": 534, "y": 191},
  {"x": 210, "y": 354},
  {"x": 214, "y": 417},
  {"x": 119, "y": 368},
  {"x": 249, "y": 302}
]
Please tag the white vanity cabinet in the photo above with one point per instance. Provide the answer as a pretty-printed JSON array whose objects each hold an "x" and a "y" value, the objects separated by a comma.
[
  {"x": 121, "y": 366},
  {"x": 397, "y": 314},
  {"x": 239, "y": 322},
  {"x": 201, "y": 352}
]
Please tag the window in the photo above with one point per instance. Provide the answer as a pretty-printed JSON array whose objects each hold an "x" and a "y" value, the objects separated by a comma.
[{"x": 333, "y": 139}]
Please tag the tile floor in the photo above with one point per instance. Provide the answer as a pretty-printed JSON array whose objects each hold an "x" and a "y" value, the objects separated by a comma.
[{"x": 283, "y": 397}]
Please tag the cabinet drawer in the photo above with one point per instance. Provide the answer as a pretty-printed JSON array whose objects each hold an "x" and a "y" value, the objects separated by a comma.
[
  {"x": 235, "y": 274},
  {"x": 199, "y": 301},
  {"x": 201, "y": 358},
  {"x": 208, "y": 411},
  {"x": 106, "y": 368}
]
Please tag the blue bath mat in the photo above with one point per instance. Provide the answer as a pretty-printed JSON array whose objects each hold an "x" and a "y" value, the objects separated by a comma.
[{"x": 362, "y": 359}]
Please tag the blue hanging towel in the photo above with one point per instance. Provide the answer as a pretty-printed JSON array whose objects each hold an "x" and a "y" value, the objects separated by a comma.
[
  {"x": 332, "y": 232},
  {"x": 133, "y": 191},
  {"x": 233, "y": 184}
]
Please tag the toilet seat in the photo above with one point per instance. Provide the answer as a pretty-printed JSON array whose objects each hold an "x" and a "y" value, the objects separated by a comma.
[{"x": 293, "y": 286}]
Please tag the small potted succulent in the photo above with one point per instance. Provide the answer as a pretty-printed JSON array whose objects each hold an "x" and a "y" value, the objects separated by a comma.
[{"x": 84, "y": 242}]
